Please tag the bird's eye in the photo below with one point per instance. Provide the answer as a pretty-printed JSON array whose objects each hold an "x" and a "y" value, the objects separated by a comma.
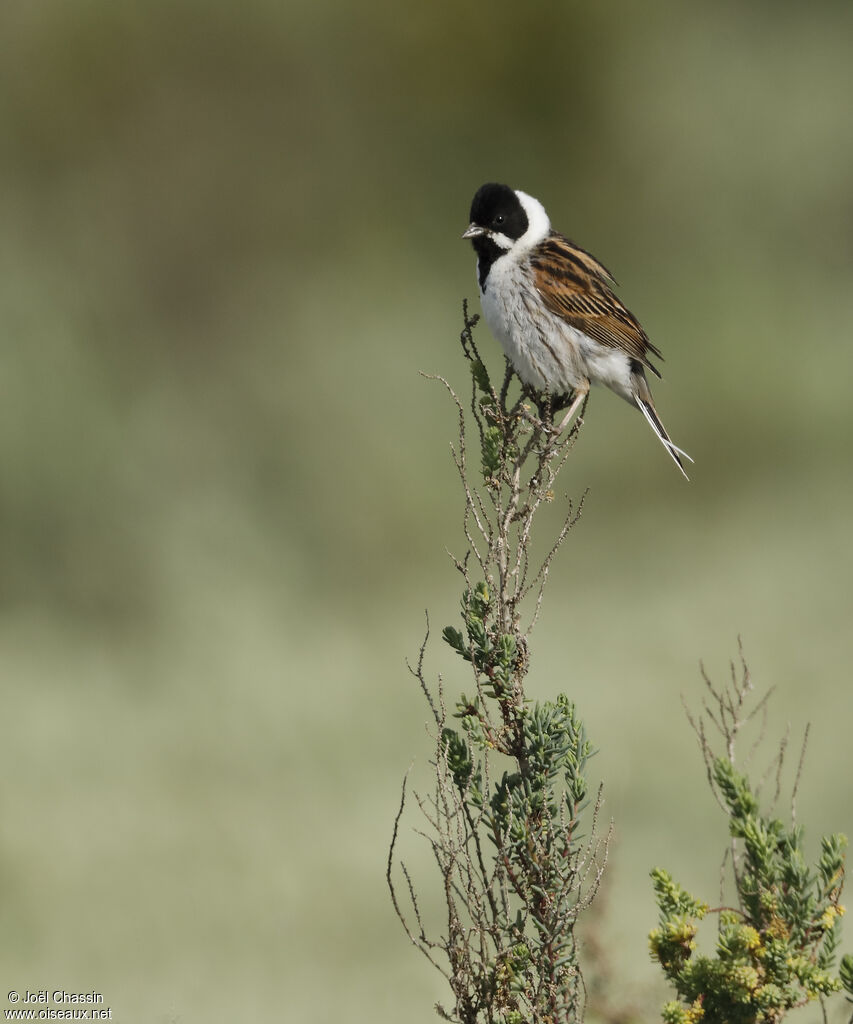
[{"x": 499, "y": 219}]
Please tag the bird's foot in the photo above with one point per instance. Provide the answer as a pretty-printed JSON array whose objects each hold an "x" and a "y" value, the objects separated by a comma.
[{"x": 547, "y": 406}]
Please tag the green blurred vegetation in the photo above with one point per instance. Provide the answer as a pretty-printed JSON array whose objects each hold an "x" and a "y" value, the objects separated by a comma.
[{"x": 230, "y": 241}]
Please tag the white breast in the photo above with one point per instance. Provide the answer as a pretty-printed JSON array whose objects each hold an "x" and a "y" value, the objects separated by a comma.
[{"x": 544, "y": 351}]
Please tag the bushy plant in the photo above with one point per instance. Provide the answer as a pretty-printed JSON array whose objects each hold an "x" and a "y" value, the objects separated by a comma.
[
  {"x": 511, "y": 774},
  {"x": 776, "y": 948}
]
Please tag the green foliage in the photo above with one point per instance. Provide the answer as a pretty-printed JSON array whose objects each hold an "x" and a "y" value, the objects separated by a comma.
[
  {"x": 845, "y": 974},
  {"x": 493, "y": 654},
  {"x": 777, "y": 950},
  {"x": 495, "y": 444},
  {"x": 530, "y": 815}
]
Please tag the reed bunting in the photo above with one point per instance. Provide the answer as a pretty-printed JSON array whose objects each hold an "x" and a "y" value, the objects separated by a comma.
[{"x": 551, "y": 306}]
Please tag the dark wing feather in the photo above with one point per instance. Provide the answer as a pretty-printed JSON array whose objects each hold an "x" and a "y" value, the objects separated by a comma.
[{"x": 576, "y": 287}]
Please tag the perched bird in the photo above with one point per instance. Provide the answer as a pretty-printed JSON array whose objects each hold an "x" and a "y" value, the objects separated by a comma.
[{"x": 550, "y": 305}]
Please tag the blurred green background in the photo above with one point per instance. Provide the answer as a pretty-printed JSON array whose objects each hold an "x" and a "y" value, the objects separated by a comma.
[{"x": 229, "y": 242}]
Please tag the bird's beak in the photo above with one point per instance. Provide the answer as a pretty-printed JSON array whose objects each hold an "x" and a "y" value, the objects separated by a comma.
[{"x": 474, "y": 231}]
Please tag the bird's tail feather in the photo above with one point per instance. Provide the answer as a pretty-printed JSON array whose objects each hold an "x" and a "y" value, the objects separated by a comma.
[{"x": 649, "y": 411}]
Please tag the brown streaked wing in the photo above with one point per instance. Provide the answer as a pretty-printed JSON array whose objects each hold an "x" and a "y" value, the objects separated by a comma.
[{"x": 575, "y": 286}]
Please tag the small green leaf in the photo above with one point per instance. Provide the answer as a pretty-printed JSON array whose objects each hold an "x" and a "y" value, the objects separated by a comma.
[
  {"x": 845, "y": 972},
  {"x": 491, "y": 448},
  {"x": 481, "y": 376},
  {"x": 456, "y": 640}
]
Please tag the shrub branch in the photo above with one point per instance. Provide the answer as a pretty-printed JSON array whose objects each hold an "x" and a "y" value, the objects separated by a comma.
[{"x": 504, "y": 820}]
